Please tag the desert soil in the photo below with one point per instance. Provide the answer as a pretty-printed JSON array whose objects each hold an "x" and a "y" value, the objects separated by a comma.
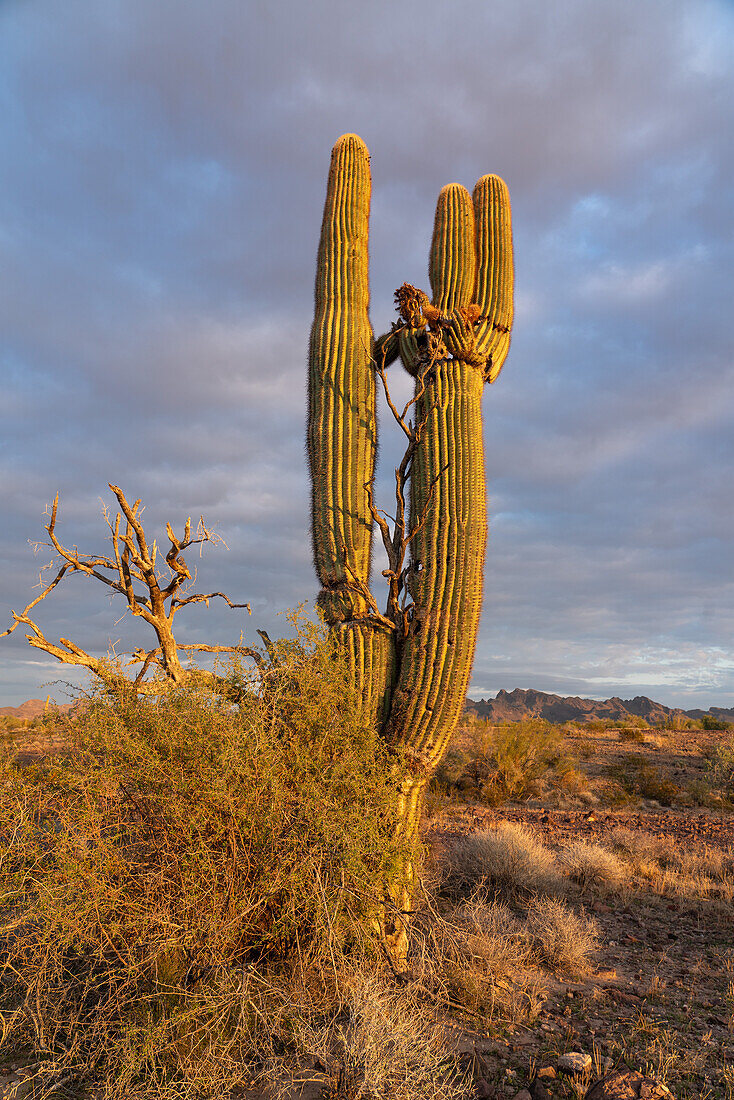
[{"x": 661, "y": 996}]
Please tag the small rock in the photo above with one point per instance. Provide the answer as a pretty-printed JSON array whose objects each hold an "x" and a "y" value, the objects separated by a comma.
[
  {"x": 538, "y": 1091},
  {"x": 628, "y": 1085},
  {"x": 574, "y": 1062},
  {"x": 547, "y": 1072},
  {"x": 483, "y": 1089},
  {"x": 624, "y": 998},
  {"x": 522, "y": 1041},
  {"x": 523, "y": 1094}
]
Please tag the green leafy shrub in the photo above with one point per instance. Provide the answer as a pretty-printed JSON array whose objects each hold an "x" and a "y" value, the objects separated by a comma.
[
  {"x": 526, "y": 753},
  {"x": 159, "y": 877},
  {"x": 711, "y": 722},
  {"x": 636, "y": 777},
  {"x": 509, "y": 762},
  {"x": 720, "y": 766}
]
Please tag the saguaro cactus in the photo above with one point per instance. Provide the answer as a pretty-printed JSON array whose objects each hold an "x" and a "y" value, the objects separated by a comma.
[{"x": 412, "y": 663}]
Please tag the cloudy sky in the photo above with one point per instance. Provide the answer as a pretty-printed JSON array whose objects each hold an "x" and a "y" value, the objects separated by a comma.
[{"x": 161, "y": 186}]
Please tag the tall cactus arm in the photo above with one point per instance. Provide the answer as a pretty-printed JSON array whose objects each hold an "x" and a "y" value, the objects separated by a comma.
[
  {"x": 341, "y": 428},
  {"x": 452, "y": 262},
  {"x": 495, "y": 272}
]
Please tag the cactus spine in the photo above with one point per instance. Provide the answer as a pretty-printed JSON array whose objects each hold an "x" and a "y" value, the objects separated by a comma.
[{"x": 452, "y": 345}]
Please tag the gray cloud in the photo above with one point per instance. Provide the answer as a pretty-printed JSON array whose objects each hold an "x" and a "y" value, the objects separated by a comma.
[{"x": 159, "y": 209}]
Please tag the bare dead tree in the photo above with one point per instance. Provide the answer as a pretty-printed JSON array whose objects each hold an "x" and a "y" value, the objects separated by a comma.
[
  {"x": 397, "y": 539},
  {"x": 152, "y": 591}
]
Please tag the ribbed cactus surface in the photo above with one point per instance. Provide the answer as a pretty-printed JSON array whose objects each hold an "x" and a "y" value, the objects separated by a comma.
[
  {"x": 451, "y": 345},
  {"x": 342, "y": 428},
  {"x": 470, "y": 270},
  {"x": 495, "y": 271}
]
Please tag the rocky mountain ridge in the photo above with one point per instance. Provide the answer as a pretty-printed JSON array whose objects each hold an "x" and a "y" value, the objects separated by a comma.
[
  {"x": 514, "y": 706},
  {"x": 32, "y": 708}
]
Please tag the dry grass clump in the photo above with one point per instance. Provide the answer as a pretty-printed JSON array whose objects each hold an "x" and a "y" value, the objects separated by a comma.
[
  {"x": 484, "y": 962},
  {"x": 474, "y": 956},
  {"x": 561, "y": 938},
  {"x": 382, "y": 1042},
  {"x": 593, "y": 866},
  {"x": 158, "y": 879},
  {"x": 693, "y": 871},
  {"x": 506, "y": 858},
  {"x": 635, "y": 846},
  {"x": 674, "y": 884}
]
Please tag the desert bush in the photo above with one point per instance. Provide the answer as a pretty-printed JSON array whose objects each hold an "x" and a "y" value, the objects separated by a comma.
[
  {"x": 711, "y": 722},
  {"x": 560, "y": 937},
  {"x": 720, "y": 765},
  {"x": 633, "y": 733},
  {"x": 507, "y": 763},
  {"x": 525, "y": 753},
  {"x": 701, "y": 792},
  {"x": 611, "y": 792},
  {"x": 585, "y": 748},
  {"x": 679, "y": 722},
  {"x": 507, "y": 858},
  {"x": 593, "y": 866},
  {"x": 653, "y": 784},
  {"x": 10, "y": 726},
  {"x": 460, "y": 771},
  {"x": 639, "y": 778},
  {"x": 184, "y": 852}
]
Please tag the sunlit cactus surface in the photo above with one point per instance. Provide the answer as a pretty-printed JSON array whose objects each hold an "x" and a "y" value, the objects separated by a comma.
[{"x": 411, "y": 661}]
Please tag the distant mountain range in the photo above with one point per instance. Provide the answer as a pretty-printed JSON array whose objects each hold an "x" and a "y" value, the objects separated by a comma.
[
  {"x": 32, "y": 708},
  {"x": 513, "y": 706}
]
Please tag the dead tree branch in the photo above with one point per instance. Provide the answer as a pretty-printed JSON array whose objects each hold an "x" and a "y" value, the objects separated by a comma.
[
  {"x": 397, "y": 540},
  {"x": 152, "y": 593}
]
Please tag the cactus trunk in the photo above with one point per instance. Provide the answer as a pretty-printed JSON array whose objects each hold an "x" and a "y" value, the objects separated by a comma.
[{"x": 448, "y": 485}]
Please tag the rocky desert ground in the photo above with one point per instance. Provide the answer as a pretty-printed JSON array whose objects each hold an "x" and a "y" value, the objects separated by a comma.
[
  {"x": 659, "y": 997},
  {"x": 628, "y": 830}
]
